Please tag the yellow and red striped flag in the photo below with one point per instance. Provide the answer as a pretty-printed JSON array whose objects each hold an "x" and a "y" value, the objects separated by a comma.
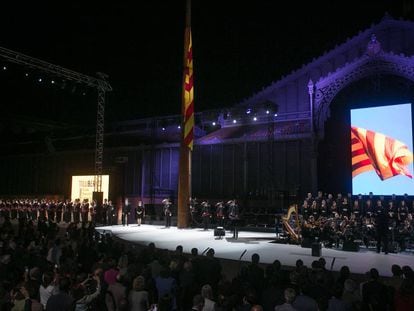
[
  {"x": 188, "y": 91},
  {"x": 375, "y": 151}
]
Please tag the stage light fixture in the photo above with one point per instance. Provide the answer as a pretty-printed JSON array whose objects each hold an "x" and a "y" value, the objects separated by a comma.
[
  {"x": 214, "y": 123},
  {"x": 4, "y": 68},
  {"x": 248, "y": 111},
  {"x": 26, "y": 74},
  {"x": 275, "y": 114},
  {"x": 267, "y": 111},
  {"x": 163, "y": 128},
  {"x": 179, "y": 126},
  {"x": 39, "y": 80},
  {"x": 234, "y": 121},
  {"x": 53, "y": 81},
  {"x": 254, "y": 119}
]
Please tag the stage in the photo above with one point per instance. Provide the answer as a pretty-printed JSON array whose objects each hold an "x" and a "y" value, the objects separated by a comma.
[{"x": 255, "y": 242}]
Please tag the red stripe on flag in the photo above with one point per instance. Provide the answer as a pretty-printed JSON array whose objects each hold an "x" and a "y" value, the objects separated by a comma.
[
  {"x": 361, "y": 164},
  {"x": 354, "y": 141},
  {"x": 189, "y": 137},
  {"x": 189, "y": 110},
  {"x": 189, "y": 85},
  {"x": 358, "y": 152}
]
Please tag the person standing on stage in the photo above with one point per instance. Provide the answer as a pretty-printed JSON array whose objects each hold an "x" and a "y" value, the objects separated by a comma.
[
  {"x": 205, "y": 214},
  {"x": 139, "y": 213},
  {"x": 85, "y": 210},
  {"x": 381, "y": 228},
  {"x": 112, "y": 214},
  {"x": 167, "y": 212},
  {"x": 104, "y": 213},
  {"x": 126, "y": 211},
  {"x": 220, "y": 214},
  {"x": 234, "y": 217}
]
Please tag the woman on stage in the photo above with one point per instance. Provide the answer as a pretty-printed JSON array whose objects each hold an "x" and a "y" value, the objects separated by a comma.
[{"x": 139, "y": 213}]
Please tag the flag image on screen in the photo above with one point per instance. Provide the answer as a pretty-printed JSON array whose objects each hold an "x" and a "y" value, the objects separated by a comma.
[
  {"x": 375, "y": 151},
  {"x": 381, "y": 155}
]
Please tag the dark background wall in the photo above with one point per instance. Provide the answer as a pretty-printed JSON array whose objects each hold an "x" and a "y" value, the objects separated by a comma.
[{"x": 220, "y": 171}]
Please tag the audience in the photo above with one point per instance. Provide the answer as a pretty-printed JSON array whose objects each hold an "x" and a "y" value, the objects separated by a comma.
[{"x": 48, "y": 267}]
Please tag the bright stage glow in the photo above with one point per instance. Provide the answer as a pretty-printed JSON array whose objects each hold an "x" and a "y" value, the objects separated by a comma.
[
  {"x": 381, "y": 150},
  {"x": 83, "y": 187}
]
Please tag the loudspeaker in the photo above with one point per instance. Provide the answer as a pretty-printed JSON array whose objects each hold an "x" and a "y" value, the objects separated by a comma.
[
  {"x": 316, "y": 249},
  {"x": 219, "y": 231},
  {"x": 98, "y": 197}
]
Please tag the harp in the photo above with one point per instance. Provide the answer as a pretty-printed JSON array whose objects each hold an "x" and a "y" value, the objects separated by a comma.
[{"x": 293, "y": 232}]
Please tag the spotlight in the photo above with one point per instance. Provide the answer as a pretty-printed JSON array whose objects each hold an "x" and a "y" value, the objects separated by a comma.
[
  {"x": 254, "y": 119},
  {"x": 26, "y": 74},
  {"x": 267, "y": 111},
  {"x": 179, "y": 126},
  {"x": 275, "y": 114},
  {"x": 248, "y": 111},
  {"x": 214, "y": 123},
  {"x": 4, "y": 68},
  {"x": 53, "y": 81},
  {"x": 163, "y": 128},
  {"x": 40, "y": 79},
  {"x": 234, "y": 121}
]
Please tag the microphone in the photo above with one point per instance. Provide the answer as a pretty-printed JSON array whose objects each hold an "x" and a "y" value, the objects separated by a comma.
[
  {"x": 241, "y": 256},
  {"x": 333, "y": 262}
]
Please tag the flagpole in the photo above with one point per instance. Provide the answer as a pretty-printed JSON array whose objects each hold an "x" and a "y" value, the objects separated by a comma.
[{"x": 184, "y": 177}]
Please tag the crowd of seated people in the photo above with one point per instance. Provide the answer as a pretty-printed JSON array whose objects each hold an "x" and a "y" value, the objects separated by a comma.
[
  {"x": 334, "y": 220},
  {"x": 44, "y": 266}
]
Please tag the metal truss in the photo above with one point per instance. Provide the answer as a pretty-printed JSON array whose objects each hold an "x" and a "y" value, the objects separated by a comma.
[{"x": 100, "y": 84}]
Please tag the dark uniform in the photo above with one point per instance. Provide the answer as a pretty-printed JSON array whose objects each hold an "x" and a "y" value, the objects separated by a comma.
[
  {"x": 234, "y": 218},
  {"x": 205, "y": 214},
  {"x": 167, "y": 212},
  {"x": 381, "y": 228},
  {"x": 126, "y": 211},
  {"x": 112, "y": 214},
  {"x": 139, "y": 213}
]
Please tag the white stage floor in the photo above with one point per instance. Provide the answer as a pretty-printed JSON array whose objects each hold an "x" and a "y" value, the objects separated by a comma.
[{"x": 255, "y": 242}]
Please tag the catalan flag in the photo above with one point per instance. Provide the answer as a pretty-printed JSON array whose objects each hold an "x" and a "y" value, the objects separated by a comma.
[
  {"x": 375, "y": 151},
  {"x": 188, "y": 90}
]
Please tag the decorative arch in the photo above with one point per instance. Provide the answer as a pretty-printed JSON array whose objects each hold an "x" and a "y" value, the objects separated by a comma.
[{"x": 327, "y": 88}]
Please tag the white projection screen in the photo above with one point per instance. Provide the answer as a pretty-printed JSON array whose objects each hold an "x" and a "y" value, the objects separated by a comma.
[{"x": 83, "y": 187}]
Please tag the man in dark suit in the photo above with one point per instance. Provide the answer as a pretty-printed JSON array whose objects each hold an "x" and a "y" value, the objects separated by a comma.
[
  {"x": 382, "y": 228},
  {"x": 126, "y": 211},
  {"x": 234, "y": 217}
]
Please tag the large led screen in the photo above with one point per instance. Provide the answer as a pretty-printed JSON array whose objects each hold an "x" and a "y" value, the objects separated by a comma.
[{"x": 381, "y": 150}]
